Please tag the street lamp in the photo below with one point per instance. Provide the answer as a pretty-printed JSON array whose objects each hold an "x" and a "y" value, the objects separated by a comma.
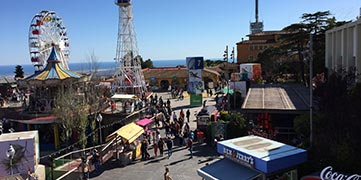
[
  {"x": 234, "y": 81},
  {"x": 225, "y": 55},
  {"x": 10, "y": 154},
  {"x": 311, "y": 89},
  {"x": 99, "y": 119},
  {"x": 308, "y": 56}
]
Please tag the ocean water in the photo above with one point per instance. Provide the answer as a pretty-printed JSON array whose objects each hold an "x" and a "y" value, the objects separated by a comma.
[{"x": 84, "y": 67}]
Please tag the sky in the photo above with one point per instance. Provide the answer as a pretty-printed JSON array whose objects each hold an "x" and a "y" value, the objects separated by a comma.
[{"x": 166, "y": 29}]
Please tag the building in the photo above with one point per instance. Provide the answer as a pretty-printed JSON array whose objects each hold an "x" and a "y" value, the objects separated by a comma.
[
  {"x": 248, "y": 50},
  {"x": 162, "y": 78},
  {"x": 343, "y": 48}
]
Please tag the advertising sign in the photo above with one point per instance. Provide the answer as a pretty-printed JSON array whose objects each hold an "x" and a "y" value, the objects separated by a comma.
[
  {"x": 240, "y": 86},
  {"x": 195, "y": 75},
  {"x": 196, "y": 100},
  {"x": 238, "y": 157},
  {"x": 17, "y": 157},
  {"x": 195, "y": 63},
  {"x": 251, "y": 70},
  {"x": 195, "y": 87}
]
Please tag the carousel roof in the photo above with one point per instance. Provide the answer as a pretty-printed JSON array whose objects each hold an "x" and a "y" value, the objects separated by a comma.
[{"x": 53, "y": 70}]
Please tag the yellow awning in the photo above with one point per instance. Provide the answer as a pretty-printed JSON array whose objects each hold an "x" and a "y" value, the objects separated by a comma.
[{"x": 129, "y": 132}]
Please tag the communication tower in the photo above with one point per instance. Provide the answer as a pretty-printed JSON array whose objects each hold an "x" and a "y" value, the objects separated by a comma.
[
  {"x": 129, "y": 78},
  {"x": 257, "y": 26}
]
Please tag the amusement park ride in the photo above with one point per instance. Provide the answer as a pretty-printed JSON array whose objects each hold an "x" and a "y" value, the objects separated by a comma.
[
  {"x": 47, "y": 31},
  {"x": 129, "y": 78}
]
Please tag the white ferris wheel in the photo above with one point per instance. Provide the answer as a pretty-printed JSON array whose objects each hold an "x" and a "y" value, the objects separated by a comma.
[{"x": 47, "y": 31}]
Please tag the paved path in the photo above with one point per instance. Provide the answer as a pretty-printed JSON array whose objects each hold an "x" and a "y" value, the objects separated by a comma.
[{"x": 180, "y": 164}]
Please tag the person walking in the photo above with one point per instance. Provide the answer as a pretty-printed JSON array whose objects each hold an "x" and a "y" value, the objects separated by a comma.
[
  {"x": 96, "y": 160},
  {"x": 166, "y": 174},
  {"x": 190, "y": 147},
  {"x": 181, "y": 114},
  {"x": 188, "y": 114},
  {"x": 169, "y": 146},
  {"x": 161, "y": 146},
  {"x": 175, "y": 118}
]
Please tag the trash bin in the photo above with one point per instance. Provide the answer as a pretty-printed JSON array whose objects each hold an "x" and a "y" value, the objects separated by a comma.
[{"x": 200, "y": 136}]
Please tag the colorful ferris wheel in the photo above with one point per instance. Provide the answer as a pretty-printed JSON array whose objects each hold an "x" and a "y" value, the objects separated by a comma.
[{"x": 47, "y": 31}]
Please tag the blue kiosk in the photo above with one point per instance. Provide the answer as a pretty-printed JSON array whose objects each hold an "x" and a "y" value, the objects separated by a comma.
[{"x": 254, "y": 157}]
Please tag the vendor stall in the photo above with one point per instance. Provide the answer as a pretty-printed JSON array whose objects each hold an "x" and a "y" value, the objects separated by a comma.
[
  {"x": 129, "y": 134},
  {"x": 127, "y": 102},
  {"x": 146, "y": 124},
  {"x": 253, "y": 157}
]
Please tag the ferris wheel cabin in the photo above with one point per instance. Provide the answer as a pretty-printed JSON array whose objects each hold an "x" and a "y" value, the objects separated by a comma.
[{"x": 122, "y": 3}]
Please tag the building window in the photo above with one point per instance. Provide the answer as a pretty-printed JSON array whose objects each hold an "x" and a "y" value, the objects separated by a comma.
[
  {"x": 251, "y": 48},
  {"x": 250, "y": 58}
]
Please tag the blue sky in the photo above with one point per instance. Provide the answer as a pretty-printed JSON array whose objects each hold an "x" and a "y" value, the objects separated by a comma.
[{"x": 166, "y": 29}]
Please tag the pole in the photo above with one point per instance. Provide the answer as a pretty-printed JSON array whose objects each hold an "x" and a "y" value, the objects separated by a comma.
[
  {"x": 311, "y": 90},
  {"x": 11, "y": 165},
  {"x": 234, "y": 85},
  {"x": 99, "y": 119},
  {"x": 227, "y": 79}
]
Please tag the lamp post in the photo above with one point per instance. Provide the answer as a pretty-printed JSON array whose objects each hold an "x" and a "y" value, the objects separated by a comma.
[
  {"x": 99, "y": 119},
  {"x": 225, "y": 55},
  {"x": 311, "y": 88},
  {"x": 10, "y": 154},
  {"x": 234, "y": 81}
]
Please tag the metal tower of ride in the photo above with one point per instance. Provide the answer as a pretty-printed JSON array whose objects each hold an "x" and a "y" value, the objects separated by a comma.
[{"x": 129, "y": 77}]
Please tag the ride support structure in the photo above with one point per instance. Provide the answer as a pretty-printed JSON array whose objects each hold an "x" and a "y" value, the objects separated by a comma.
[{"x": 129, "y": 78}]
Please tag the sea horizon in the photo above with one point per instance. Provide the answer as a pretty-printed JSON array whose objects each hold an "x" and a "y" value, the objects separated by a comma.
[
  {"x": 6, "y": 70},
  {"x": 84, "y": 67}
]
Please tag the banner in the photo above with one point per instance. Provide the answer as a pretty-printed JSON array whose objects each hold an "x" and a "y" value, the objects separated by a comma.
[
  {"x": 196, "y": 100},
  {"x": 195, "y": 63},
  {"x": 195, "y": 75}
]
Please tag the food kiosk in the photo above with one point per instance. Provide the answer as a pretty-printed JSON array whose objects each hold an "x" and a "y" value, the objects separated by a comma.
[
  {"x": 206, "y": 115},
  {"x": 254, "y": 157},
  {"x": 130, "y": 141},
  {"x": 128, "y": 102}
]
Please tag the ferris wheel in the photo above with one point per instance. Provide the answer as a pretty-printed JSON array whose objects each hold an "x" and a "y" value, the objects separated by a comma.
[{"x": 47, "y": 31}]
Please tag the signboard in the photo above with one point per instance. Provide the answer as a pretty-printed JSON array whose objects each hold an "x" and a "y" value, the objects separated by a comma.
[
  {"x": 238, "y": 157},
  {"x": 240, "y": 86},
  {"x": 195, "y": 75},
  {"x": 17, "y": 157},
  {"x": 196, "y": 99},
  {"x": 195, "y": 87},
  {"x": 195, "y": 63},
  {"x": 195, "y": 83},
  {"x": 253, "y": 71},
  {"x": 328, "y": 173}
]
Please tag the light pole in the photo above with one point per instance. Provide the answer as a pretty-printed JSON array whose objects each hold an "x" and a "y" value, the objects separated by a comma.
[
  {"x": 311, "y": 88},
  {"x": 227, "y": 75},
  {"x": 234, "y": 82},
  {"x": 99, "y": 119},
  {"x": 10, "y": 154}
]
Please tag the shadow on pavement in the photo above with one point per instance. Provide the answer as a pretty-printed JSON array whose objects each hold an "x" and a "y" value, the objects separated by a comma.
[{"x": 176, "y": 162}]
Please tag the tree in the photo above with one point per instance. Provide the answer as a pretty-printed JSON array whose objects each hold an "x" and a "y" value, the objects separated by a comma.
[
  {"x": 337, "y": 135},
  {"x": 237, "y": 126},
  {"x": 72, "y": 113},
  {"x": 271, "y": 61},
  {"x": 294, "y": 41},
  {"x": 93, "y": 62},
  {"x": 146, "y": 64},
  {"x": 19, "y": 72}
]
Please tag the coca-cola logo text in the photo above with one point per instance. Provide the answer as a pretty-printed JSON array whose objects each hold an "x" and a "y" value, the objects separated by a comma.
[{"x": 328, "y": 174}]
